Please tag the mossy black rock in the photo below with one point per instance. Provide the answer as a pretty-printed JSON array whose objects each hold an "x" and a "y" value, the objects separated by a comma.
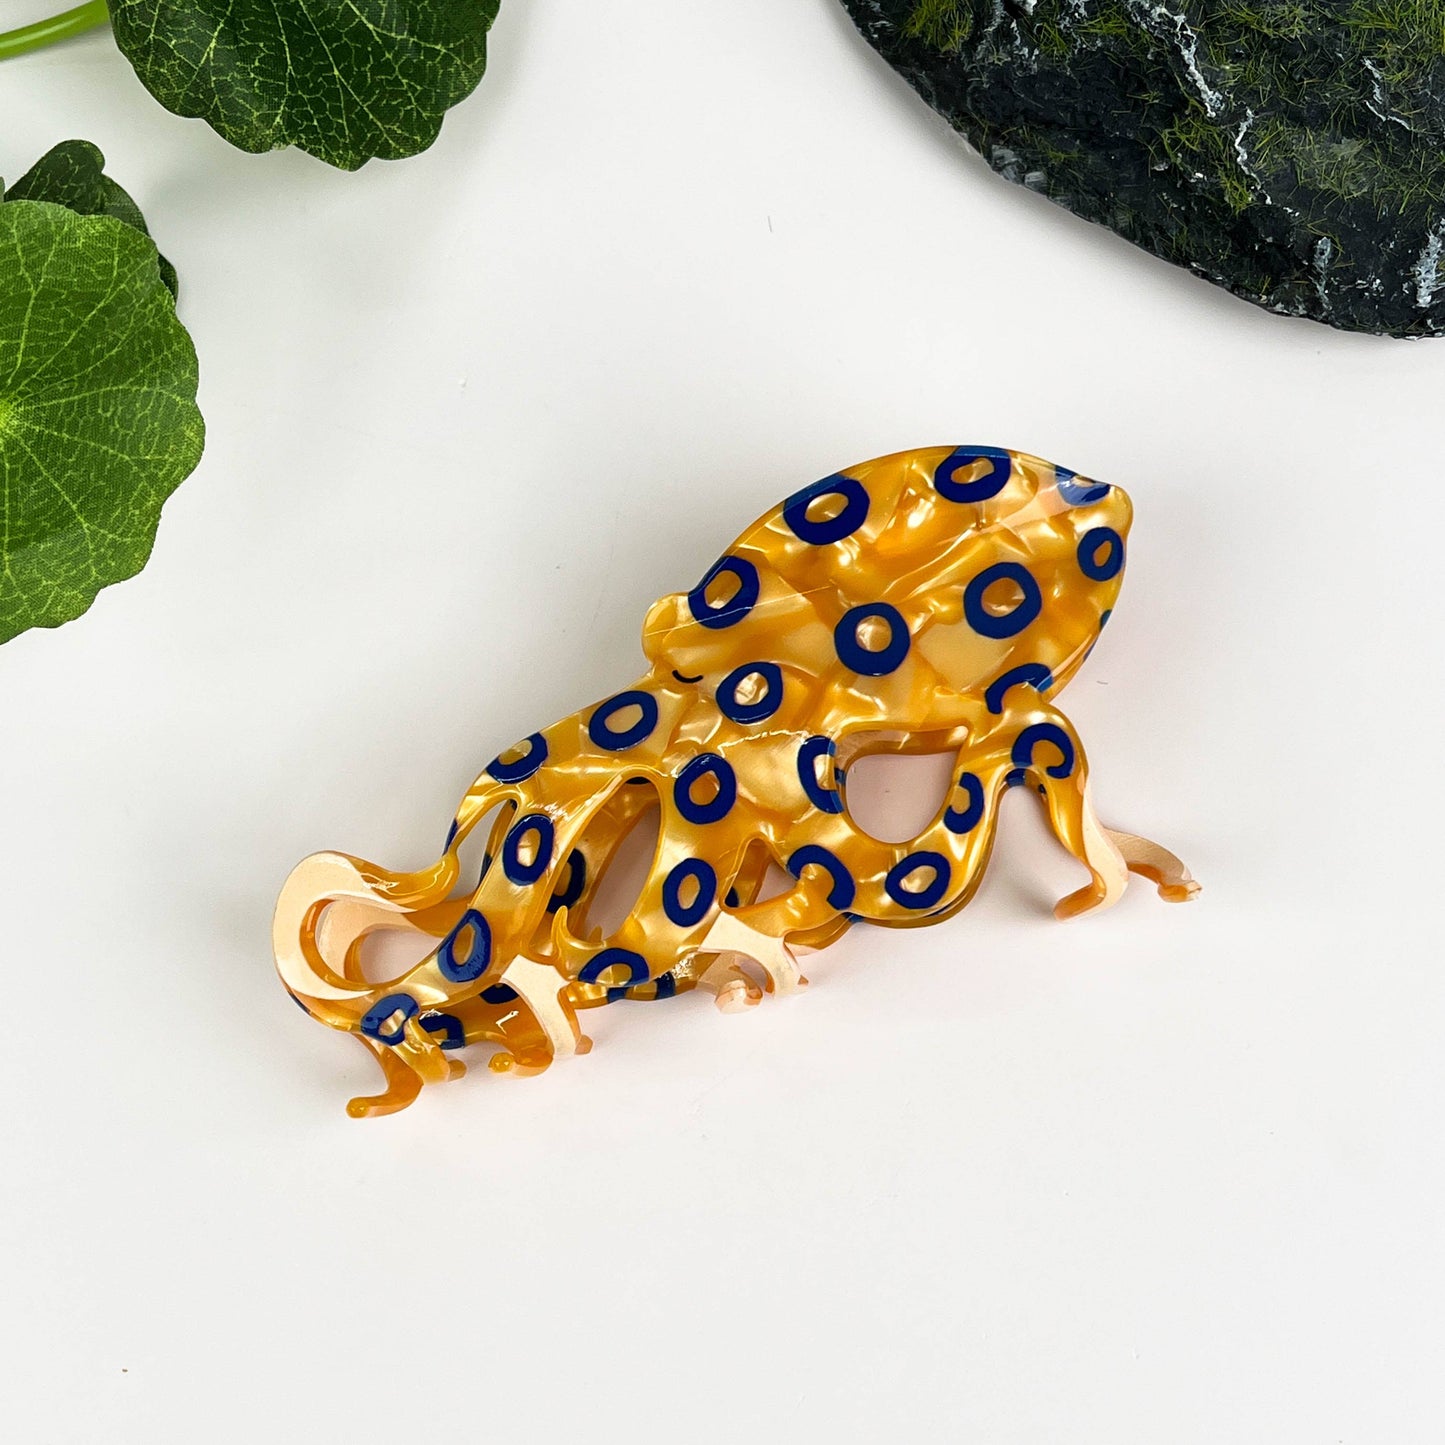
[{"x": 1292, "y": 152}]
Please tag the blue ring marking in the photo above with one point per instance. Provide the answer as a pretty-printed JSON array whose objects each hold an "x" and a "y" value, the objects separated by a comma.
[
  {"x": 382, "y": 1010},
  {"x": 833, "y": 529},
  {"x": 576, "y": 882},
  {"x": 666, "y": 985},
  {"x": 299, "y": 1004},
  {"x": 765, "y": 706},
  {"x": 1089, "y": 545},
  {"x": 518, "y": 872},
  {"x": 1035, "y": 674},
  {"x": 448, "y": 1024},
  {"x": 499, "y": 993},
  {"x": 1015, "y": 778},
  {"x": 966, "y": 819},
  {"x": 921, "y": 898},
  {"x": 725, "y": 614},
  {"x": 852, "y": 654},
  {"x": 843, "y": 891},
  {"x": 732, "y": 900},
  {"x": 523, "y": 768},
  {"x": 981, "y": 490},
  {"x": 1045, "y": 732},
  {"x": 474, "y": 965},
  {"x": 1010, "y": 624},
  {"x": 603, "y": 735},
  {"x": 452, "y": 835},
  {"x": 825, "y": 800},
  {"x": 1104, "y": 617},
  {"x": 1077, "y": 493},
  {"x": 705, "y": 765},
  {"x": 613, "y": 958},
  {"x": 686, "y": 914}
]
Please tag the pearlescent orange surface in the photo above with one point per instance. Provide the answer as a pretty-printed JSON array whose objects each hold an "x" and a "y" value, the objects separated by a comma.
[{"x": 934, "y": 601}]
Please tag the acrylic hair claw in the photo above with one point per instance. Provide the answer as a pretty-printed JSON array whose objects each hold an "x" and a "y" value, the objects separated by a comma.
[{"x": 936, "y": 601}]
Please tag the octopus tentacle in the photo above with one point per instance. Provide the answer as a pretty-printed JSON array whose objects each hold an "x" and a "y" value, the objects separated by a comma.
[
  {"x": 1169, "y": 873},
  {"x": 909, "y": 884},
  {"x": 480, "y": 937}
]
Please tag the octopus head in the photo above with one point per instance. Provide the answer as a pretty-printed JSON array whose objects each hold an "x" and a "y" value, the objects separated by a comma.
[{"x": 966, "y": 569}]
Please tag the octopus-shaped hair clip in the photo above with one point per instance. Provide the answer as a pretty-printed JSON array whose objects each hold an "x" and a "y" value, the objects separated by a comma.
[{"x": 930, "y": 602}]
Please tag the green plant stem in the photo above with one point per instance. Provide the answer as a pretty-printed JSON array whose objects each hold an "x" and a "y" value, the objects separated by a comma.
[{"x": 58, "y": 27}]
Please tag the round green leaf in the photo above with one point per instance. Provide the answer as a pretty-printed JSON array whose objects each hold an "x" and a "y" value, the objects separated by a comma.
[
  {"x": 98, "y": 417},
  {"x": 344, "y": 81}
]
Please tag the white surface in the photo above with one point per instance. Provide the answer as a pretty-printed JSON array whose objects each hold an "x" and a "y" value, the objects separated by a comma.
[{"x": 1162, "y": 1175}]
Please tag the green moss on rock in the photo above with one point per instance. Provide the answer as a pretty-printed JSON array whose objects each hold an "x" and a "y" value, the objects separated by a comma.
[{"x": 1292, "y": 151}]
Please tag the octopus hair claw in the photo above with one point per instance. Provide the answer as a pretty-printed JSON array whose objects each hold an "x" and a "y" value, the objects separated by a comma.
[{"x": 936, "y": 601}]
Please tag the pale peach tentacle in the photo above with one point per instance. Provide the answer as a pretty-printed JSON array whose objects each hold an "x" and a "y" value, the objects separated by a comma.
[{"x": 1169, "y": 873}]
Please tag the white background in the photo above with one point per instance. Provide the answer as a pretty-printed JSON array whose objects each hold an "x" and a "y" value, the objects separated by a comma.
[{"x": 1162, "y": 1175}]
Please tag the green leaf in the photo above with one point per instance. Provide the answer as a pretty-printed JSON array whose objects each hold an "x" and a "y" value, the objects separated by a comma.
[
  {"x": 98, "y": 418},
  {"x": 345, "y": 80},
  {"x": 73, "y": 175}
]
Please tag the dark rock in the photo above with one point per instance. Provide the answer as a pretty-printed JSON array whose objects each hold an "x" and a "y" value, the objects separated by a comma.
[{"x": 1291, "y": 151}]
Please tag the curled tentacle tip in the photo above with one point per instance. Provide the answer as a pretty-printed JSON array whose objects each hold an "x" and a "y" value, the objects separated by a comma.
[
  {"x": 1183, "y": 892},
  {"x": 372, "y": 1106},
  {"x": 736, "y": 998}
]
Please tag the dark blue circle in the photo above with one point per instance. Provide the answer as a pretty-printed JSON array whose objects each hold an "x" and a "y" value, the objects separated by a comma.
[
  {"x": 474, "y": 965},
  {"x": 1089, "y": 545},
  {"x": 765, "y": 706},
  {"x": 448, "y": 1024},
  {"x": 852, "y": 654},
  {"x": 1015, "y": 778},
  {"x": 826, "y": 800},
  {"x": 985, "y": 487},
  {"x": 705, "y": 765},
  {"x": 382, "y": 1010},
  {"x": 966, "y": 819},
  {"x": 572, "y": 889},
  {"x": 685, "y": 915},
  {"x": 518, "y": 872},
  {"x": 1045, "y": 732},
  {"x": 834, "y": 529},
  {"x": 1077, "y": 493},
  {"x": 499, "y": 993},
  {"x": 611, "y": 958},
  {"x": 525, "y": 766},
  {"x": 737, "y": 606},
  {"x": 906, "y": 867},
  {"x": 601, "y": 732},
  {"x": 1035, "y": 674},
  {"x": 843, "y": 891},
  {"x": 1104, "y": 617},
  {"x": 1010, "y": 624}
]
